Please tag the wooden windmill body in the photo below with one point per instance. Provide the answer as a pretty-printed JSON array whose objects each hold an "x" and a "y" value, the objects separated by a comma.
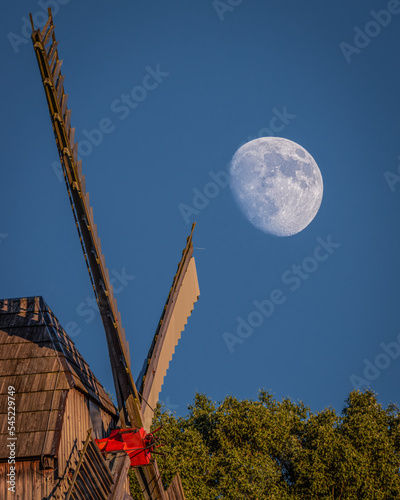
[
  {"x": 135, "y": 402},
  {"x": 50, "y": 398}
]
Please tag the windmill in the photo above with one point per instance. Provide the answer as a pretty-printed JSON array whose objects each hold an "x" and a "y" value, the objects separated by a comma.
[{"x": 135, "y": 401}]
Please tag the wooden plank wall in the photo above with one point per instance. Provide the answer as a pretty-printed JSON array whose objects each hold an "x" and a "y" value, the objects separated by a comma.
[
  {"x": 74, "y": 431},
  {"x": 31, "y": 484},
  {"x": 30, "y": 480}
]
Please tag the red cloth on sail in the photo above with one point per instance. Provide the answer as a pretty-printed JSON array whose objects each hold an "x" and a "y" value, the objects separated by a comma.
[{"x": 135, "y": 442}]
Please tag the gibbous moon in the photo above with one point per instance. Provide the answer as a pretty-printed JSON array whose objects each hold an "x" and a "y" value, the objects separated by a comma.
[{"x": 277, "y": 184}]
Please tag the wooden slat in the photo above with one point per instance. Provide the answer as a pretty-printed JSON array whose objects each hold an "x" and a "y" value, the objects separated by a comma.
[
  {"x": 57, "y": 70},
  {"x": 111, "y": 295},
  {"x": 67, "y": 119},
  {"x": 35, "y": 382},
  {"x": 64, "y": 104},
  {"x": 92, "y": 480},
  {"x": 48, "y": 35},
  {"x": 52, "y": 51},
  {"x": 33, "y": 401},
  {"x": 75, "y": 152},
  {"x": 76, "y": 472},
  {"x": 91, "y": 218},
  {"x": 108, "y": 279},
  {"x": 37, "y": 421},
  {"x": 28, "y": 441},
  {"x": 45, "y": 27},
  {"x": 99, "y": 463},
  {"x": 49, "y": 32},
  {"x": 26, "y": 350},
  {"x": 83, "y": 183},
  {"x": 79, "y": 171},
  {"x": 122, "y": 330},
  {"x": 71, "y": 137},
  {"x": 115, "y": 303},
  {"x": 59, "y": 89},
  {"x": 128, "y": 352},
  {"x": 29, "y": 366},
  {"x": 99, "y": 459},
  {"x": 120, "y": 475},
  {"x": 53, "y": 64}
]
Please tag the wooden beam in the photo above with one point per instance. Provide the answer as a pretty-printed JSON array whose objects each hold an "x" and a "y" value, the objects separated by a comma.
[{"x": 78, "y": 466}]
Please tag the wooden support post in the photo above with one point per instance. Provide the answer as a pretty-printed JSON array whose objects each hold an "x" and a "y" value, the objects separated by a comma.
[{"x": 82, "y": 454}]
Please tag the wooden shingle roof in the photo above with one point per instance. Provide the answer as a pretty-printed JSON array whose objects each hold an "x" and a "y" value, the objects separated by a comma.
[{"x": 41, "y": 362}]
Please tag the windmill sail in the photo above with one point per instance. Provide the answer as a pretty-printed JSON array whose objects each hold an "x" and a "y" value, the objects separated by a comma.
[
  {"x": 46, "y": 51},
  {"x": 183, "y": 294},
  {"x": 45, "y": 46}
]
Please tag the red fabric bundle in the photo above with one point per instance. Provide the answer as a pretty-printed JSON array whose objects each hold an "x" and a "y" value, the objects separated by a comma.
[{"x": 135, "y": 442}]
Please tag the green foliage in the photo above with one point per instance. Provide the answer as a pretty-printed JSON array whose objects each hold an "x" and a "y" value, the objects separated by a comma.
[{"x": 267, "y": 449}]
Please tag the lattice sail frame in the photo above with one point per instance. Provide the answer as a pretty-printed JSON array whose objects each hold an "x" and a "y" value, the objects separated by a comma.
[
  {"x": 45, "y": 46},
  {"x": 160, "y": 354}
]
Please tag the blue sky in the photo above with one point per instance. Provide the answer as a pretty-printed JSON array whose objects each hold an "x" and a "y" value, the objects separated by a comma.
[{"x": 220, "y": 72}]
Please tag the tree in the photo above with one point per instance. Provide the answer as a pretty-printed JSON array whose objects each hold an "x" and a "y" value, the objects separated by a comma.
[{"x": 266, "y": 449}]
